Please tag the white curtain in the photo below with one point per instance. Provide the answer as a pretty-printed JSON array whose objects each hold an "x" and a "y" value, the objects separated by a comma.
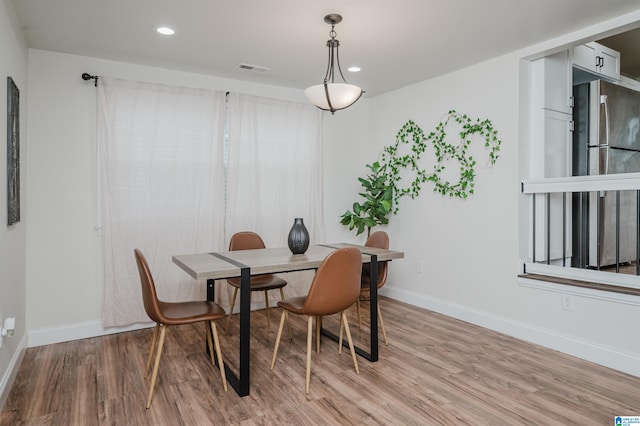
[
  {"x": 162, "y": 188},
  {"x": 274, "y": 173}
]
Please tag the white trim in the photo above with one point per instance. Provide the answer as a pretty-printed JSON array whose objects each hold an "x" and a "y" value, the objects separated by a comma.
[
  {"x": 601, "y": 277},
  {"x": 77, "y": 331},
  {"x": 610, "y": 357},
  {"x": 86, "y": 330},
  {"x": 12, "y": 371},
  {"x": 591, "y": 183}
]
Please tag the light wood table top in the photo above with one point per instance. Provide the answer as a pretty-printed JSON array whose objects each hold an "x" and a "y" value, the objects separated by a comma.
[{"x": 227, "y": 264}]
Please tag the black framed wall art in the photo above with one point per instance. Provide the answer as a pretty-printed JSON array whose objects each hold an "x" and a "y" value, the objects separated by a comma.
[{"x": 13, "y": 152}]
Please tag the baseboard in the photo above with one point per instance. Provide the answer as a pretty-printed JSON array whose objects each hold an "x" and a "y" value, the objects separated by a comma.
[
  {"x": 77, "y": 331},
  {"x": 599, "y": 354},
  {"x": 93, "y": 329},
  {"x": 12, "y": 371}
]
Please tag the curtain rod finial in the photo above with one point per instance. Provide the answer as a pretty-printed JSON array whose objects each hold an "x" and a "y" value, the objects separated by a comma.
[{"x": 87, "y": 77}]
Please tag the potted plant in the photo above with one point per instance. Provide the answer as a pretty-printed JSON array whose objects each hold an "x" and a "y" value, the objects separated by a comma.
[{"x": 377, "y": 203}]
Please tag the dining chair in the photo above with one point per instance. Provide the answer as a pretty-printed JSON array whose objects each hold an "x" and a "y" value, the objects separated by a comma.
[
  {"x": 378, "y": 239},
  {"x": 335, "y": 287},
  {"x": 165, "y": 314},
  {"x": 248, "y": 240}
]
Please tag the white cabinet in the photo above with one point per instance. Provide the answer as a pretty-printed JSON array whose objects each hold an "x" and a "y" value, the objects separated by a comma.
[
  {"x": 557, "y": 144},
  {"x": 598, "y": 59},
  {"x": 556, "y": 74},
  {"x": 551, "y": 116}
]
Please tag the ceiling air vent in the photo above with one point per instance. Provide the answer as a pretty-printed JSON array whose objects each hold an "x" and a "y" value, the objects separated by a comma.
[{"x": 254, "y": 68}]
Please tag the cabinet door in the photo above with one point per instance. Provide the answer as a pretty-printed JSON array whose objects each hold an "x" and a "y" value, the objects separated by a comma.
[
  {"x": 585, "y": 56},
  {"x": 557, "y": 144},
  {"x": 609, "y": 62},
  {"x": 557, "y": 82}
]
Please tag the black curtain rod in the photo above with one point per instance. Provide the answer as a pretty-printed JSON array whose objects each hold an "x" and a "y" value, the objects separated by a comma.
[{"x": 87, "y": 77}]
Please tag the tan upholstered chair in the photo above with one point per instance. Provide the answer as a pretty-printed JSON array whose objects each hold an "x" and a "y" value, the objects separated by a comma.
[
  {"x": 165, "y": 314},
  {"x": 335, "y": 287},
  {"x": 378, "y": 239},
  {"x": 246, "y": 241}
]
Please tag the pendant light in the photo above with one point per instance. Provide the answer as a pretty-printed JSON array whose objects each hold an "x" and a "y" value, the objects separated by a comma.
[{"x": 332, "y": 96}]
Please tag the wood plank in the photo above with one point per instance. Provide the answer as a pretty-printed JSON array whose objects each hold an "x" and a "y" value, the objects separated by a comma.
[{"x": 436, "y": 370}]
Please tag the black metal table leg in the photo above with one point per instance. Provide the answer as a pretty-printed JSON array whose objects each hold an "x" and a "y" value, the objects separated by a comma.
[
  {"x": 211, "y": 290},
  {"x": 245, "y": 331},
  {"x": 239, "y": 382}
]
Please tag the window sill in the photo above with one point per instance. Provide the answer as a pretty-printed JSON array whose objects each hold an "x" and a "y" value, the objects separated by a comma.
[
  {"x": 593, "y": 290},
  {"x": 583, "y": 284}
]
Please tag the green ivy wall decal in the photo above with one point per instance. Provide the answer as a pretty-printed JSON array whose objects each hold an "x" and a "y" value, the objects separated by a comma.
[
  {"x": 382, "y": 187},
  {"x": 411, "y": 134}
]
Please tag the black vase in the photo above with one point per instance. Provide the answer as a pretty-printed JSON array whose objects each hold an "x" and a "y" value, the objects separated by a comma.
[{"x": 298, "y": 237}]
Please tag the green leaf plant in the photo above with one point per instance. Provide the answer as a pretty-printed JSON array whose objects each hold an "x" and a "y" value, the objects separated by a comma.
[
  {"x": 377, "y": 203},
  {"x": 383, "y": 187}
]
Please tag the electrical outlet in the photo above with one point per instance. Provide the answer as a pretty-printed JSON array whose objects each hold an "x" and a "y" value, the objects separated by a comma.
[
  {"x": 7, "y": 329},
  {"x": 419, "y": 267},
  {"x": 567, "y": 302}
]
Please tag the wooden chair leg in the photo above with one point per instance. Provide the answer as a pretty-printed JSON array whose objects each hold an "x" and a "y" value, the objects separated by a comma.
[
  {"x": 154, "y": 340},
  {"x": 216, "y": 341},
  {"x": 275, "y": 349},
  {"x": 266, "y": 302},
  {"x": 353, "y": 351},
  {"x": 384, "y": 332},
  {"x": 318, "y": 328},
  {"x": 154, "y": 375},
  {"x": 340, "y": 339},
  {"x": 207, "y": 330},
  {"x": 288, "y": 323},
  {"x": 358, "y": 312},
  {"x": 233, "y": 303},
  {"x": 309, "y": 340}
]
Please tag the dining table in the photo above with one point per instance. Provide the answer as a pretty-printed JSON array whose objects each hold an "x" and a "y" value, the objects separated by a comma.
[{"x": 245, "y": 263}]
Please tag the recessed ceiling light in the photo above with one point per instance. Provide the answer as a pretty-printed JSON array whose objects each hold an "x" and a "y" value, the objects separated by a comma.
[
  {"x": 165, "y": 30},
  {"x": 353, "y": 69}
]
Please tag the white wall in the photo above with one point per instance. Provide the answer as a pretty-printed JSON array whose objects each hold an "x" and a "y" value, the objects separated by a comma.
[
  {"x": 459, "y": 241},
  {"x": 470, "y": 248},
  {"x": 13, "y": 63},
  {"x": 64, "y": 251}
]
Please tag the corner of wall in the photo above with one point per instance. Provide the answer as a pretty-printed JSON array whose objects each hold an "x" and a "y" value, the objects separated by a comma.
[{"x": 12, "y": 371}]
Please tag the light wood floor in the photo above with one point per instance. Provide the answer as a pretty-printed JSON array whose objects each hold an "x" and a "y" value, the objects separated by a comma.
[{"x": 435, "y": 371}]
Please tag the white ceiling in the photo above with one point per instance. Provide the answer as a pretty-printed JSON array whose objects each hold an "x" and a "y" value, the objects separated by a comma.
[{"x": 396, "y": 43}]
